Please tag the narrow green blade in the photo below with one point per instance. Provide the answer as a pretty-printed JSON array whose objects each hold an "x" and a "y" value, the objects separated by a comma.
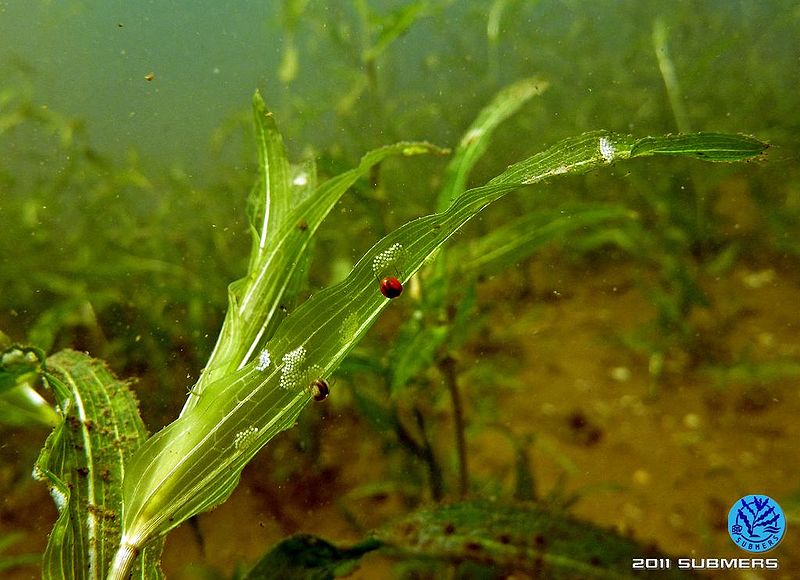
[
  {"x": 194, "y": 463},
  {"x": 513, "y": 242},
  {"x": 477, "y": 138},
  {"x": 290, "y": 208},
  {"x": 706, "y": 146}
]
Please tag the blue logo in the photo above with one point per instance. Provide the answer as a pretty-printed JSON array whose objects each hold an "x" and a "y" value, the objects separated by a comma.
[{"x": 756, "y": 523}]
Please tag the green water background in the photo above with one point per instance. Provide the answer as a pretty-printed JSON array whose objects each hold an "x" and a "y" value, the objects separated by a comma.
[{"x": 88, "y": 59}]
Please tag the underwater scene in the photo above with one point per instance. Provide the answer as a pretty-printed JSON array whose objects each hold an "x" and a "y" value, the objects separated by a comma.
[{"x": 376, "y": 289}]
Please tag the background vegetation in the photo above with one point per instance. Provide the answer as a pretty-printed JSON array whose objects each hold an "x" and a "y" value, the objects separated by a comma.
[{"x": 122, "y": 205}]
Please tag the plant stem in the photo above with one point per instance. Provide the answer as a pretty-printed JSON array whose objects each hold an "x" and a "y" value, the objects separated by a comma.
[
  {"x": 447, "y": 366},
  {"x": 123, "y": 561},
  {"x": 422, "y": 451},
  {"x": 437, "y": 484}
]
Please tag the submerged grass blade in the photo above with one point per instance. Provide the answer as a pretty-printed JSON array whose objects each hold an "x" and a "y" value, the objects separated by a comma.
[
  {"x": 476, "y": 140},
  {"x": 194, "y": 463},
  {"x": 706, "y": 146},
  {"x": 285, "y": 212},
  {"x": 512, "y": 243},
  {"x": 83, "y": 464}
]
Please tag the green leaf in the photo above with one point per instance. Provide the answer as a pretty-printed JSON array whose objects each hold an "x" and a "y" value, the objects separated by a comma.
[
  {"x": 415, "y": 353},
  {"x": 82, "y": 463},
  {"x": 23, "y": 406},
  {"x": 376, "y": 410},
  {"x": 307, "y": 557},
  {"x": 18, "y": 365},
  {"x": 471, "y": 148},
  {"x": 20, "y": 404},
  {"x": 521, "y": 538},
  {"x": 394, "y": 25},
  {"x": 513, "y": 242},
  {"x": 479, "y": 135},
  {"x": 195, "y": 462},
  {"x": 706, "y": 146},
  {"x": 290, "y": 208}
]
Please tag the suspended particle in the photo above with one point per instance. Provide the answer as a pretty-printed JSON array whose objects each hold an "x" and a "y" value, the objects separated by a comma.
[
  {"x": 291, "y": 372},
  {"x": 264, "y": 360},
  {"x": 386, "y": 259},
  {"x": 391, "y": 287},
  {"x": 319, "y": 389},
  {"x": 149, "y": 77},
  {"x": 607, "y": 150},
  {"x": 245, "y": 437}
]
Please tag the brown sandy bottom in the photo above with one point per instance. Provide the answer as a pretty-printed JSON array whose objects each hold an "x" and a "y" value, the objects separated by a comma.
[{"x": 663, "y": 465}]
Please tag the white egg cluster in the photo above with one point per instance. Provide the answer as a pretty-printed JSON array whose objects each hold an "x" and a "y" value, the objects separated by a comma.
[
  {"x": 607, "y": 150},
  {"x": 245, "y": 437},
  {"x": 292, "y": 370},
  {"x": 386, "y": 258},
  {"x": 264, "y": 360}
]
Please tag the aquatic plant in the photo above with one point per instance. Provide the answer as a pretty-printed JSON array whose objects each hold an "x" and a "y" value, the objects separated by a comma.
[{"x": 119, "y": 493}]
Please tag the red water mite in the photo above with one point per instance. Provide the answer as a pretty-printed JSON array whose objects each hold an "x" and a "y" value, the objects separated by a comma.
[
  {"x": 391, "y": 287},
  {"x": 319, "y": 389}
]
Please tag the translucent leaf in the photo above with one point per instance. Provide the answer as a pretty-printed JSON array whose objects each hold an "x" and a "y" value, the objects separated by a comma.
[
  {"x": 513, "y": 242},
  {"x": 477, "y": 138},
  {"x": 195, "y": 462},
  {"x": 23, "y": 406},
  {"x": 706, "y": 146},
  {"x": 285, "y": 207}
]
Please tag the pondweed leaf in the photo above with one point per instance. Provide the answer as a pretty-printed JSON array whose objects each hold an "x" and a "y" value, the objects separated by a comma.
[
  {"x": 477, "y": 539},
  {"x": 195, "y": 462},
  {"x": 479, "y": 135},
  {"x": 515, "y": 538},
  {"x": 306, "y": 557},
  {"x": 706, "y": 146},
  {"x": 18, "y": 365},
  {"x": 513, "y": 242},
  {"x": 23, "y": 406},
  {"x": 285, "y": 207},
  {"x": 82, "y": 463}
]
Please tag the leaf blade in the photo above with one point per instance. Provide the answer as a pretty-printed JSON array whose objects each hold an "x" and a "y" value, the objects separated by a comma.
[
  {"x": 83, "y": 464},
  {"x": 194, "y": 463}
]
